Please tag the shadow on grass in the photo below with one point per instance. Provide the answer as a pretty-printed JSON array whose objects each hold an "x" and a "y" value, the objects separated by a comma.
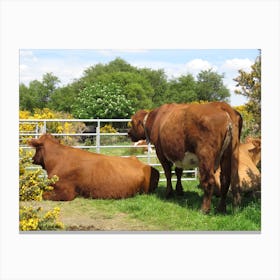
[{"x": 192, "y": 199}]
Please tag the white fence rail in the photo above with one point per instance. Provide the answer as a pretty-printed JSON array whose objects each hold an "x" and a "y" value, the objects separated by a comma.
[{"x": 40, "y": 126}]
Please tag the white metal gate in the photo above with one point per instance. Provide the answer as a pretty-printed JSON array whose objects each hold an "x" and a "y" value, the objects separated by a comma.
[{"x": 41, "y": 126}]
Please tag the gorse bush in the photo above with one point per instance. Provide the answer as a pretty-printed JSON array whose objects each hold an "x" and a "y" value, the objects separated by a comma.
[
  {"x": 108, "y": 128},
  {"x": 34, "y": 219},
  {"x": 250, "y": 127},
  {"x": 51, "y": 127},
  {"x": 32, "y": 184}
]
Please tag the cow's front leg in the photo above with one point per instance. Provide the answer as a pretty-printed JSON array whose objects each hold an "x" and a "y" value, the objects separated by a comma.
[
  {"x": 179, "y": 187},
  {"x": 61, "y": 192}
]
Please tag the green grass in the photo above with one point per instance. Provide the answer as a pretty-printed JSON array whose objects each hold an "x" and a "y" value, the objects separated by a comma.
[
  {"x": 183, "y": 213},
  {"x": 154, "y": 212}
]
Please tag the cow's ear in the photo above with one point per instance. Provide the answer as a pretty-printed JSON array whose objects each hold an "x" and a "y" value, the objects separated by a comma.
[
  {"x": 256, "y": 143},
  {"x": 34, "y": 143}
]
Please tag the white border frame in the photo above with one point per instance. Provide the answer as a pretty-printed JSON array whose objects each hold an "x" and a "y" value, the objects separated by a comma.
[{"x": 139, "y": 25}]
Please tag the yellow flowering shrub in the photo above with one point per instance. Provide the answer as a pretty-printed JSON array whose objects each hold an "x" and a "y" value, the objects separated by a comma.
[
  {"x": 36, "y": 219},
  {"x": 249, "y": 124},
  {"x": 52, "y": 127},
  {"x": 32, "y": 183},
  {"x": 108, "y": 128}
]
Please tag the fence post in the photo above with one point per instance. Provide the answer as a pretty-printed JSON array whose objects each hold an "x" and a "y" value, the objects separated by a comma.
[
  {"x": 149, "y": 153},
  {"x": 45, "y": 127},
  {"x": 36, "y": 130},
  {"x": 98, "y": 137}
]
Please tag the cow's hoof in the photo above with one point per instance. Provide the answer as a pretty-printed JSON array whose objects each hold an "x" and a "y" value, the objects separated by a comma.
[
  {"x": 221, "y": 208},
  {"x": 179, "y": 192},
  {"x": 205, "y": 211},
  {"x": 169, "y": 194}
]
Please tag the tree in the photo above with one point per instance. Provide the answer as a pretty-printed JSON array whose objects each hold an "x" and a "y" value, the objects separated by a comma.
[
  {"x": 210, "y": 87},
  {"x": 26, "y": 100},
  {"x": 158, "y": 81},
  {"x": 102, "y": 100},
  {"x": 181, "y": 90},
  {"x": 38, "y": 94},
  {"x": 249, "y": 85},
  {"x": 49, "y": 83}
]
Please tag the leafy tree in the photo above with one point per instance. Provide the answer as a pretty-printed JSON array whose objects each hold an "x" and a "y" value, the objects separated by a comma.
[
  {"x": 249, "y": 85},
  {"x": 38, "y": 94},
  {"x": 135, "y": 87},
  {"x": 102, "y": 100},
  {"x": 159, "y": 84},
  {"x": 182, "y": 90},
  {"x": 210, "y": 87},
  {"x": 27, "y": 101},
  {"x": 63, "y": 98}
]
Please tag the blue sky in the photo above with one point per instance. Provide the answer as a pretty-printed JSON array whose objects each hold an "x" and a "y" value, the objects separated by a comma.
[{"x": 68, "y": 65}]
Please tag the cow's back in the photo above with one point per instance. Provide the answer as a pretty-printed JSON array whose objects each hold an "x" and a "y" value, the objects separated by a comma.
[{"x": 186, "y": 125}]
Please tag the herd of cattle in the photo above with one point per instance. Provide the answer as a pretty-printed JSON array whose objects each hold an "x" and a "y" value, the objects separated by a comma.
[{"x": 206, "y": 136}]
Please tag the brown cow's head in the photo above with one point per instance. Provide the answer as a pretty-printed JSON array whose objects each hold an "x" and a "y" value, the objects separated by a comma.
[
  {"x": 255, "y": 153},
  {"x": 137, "y": 132},
  {"x": 38, "y": 144}
]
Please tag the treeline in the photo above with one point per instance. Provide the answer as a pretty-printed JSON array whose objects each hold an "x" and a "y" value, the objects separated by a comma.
[{"x": 118, "y": 89}]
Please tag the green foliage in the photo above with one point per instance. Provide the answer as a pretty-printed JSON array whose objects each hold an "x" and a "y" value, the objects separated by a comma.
[
  {"x": 182, "y": 90},
  {"x": 249, "y": 85},
  {"x": 102, "y": 100},
  {"x": 210, "y": 86},
  {"x": 38, "y": 94},
  {"x": 143, "y": 88}
]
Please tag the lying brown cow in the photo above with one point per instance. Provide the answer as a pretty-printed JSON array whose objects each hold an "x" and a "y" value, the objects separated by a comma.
[
  {"x": 91, "y": 175},
  {"x": 189, "y": 135},
  {"x": 249, "y": 174}
]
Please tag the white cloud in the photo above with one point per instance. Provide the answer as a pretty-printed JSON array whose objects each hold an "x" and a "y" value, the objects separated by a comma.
[
  {"x": 199, "y": 65},
  {"x": 66, "y": 71},
  {"x": 235, "y": 64}
]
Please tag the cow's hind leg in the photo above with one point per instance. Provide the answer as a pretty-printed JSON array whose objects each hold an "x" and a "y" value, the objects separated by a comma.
[
  {"x": 225, "y": 177},
  {"x": 179, "y": 187},
  {"x": 207, "y": 181}
]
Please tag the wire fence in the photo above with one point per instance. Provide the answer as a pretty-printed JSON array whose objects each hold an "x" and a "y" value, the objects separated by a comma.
[{"x": 88, "y": 134}]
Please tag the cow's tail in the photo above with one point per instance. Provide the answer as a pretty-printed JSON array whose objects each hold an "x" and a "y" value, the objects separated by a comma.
[{"x": 226, "y": 142}]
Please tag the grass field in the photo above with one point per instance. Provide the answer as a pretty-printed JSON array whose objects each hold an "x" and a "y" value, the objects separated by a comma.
[{"x": 155, "y": 213}]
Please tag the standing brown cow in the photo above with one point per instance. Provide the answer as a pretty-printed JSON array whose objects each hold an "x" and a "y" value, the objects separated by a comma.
[
  {"x": 189, "y": 135},
  {"x": 89, "y": 174}
]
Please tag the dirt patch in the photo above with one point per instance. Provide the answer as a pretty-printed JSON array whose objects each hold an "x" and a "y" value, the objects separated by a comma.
[{"x": 77, "y": 216}]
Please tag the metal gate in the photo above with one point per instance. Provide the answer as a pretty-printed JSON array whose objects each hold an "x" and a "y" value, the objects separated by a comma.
[{"x": 33, "y": 128}]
